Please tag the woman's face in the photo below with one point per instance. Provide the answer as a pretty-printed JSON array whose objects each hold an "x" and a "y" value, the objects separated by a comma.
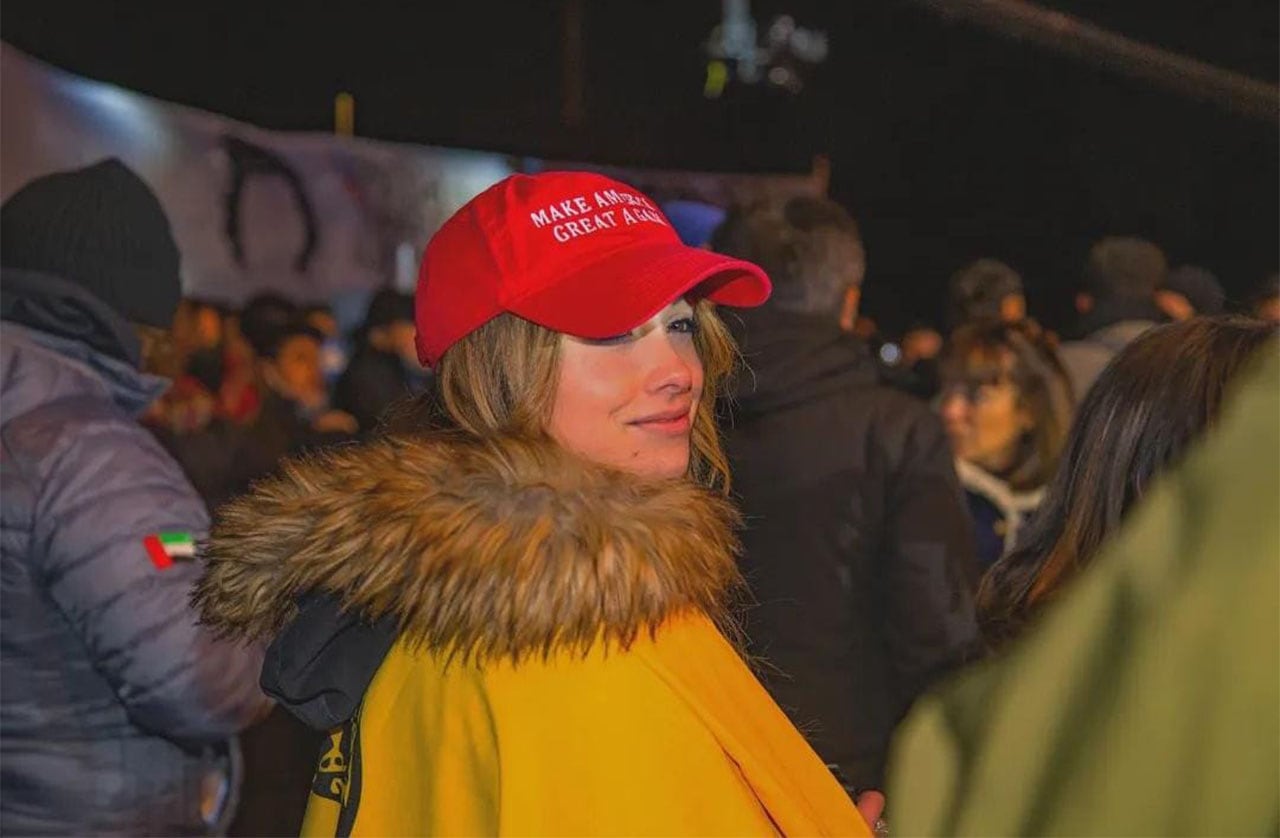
[
  {"x": 985, "y": 424},
  {"x": 629, "y": 401}
]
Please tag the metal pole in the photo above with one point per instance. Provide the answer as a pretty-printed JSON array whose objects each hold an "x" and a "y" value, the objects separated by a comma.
[
  {"x": 1080, "y": 39},
  {"x": 344, "y": 115},
  {"x": 571, "y": 108}
]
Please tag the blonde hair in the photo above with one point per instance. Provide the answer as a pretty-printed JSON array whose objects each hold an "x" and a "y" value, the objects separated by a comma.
[{"x": 501, "y": 380}]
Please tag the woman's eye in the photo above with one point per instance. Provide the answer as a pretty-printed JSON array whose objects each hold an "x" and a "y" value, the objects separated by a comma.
[
  {"x": 986, "y": 393},
  {"x": 612, "y": 341},
  {"x": 684, "y": 325}
]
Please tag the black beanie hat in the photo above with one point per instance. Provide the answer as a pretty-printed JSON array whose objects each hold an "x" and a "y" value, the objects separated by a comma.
[
  {"x": 102, "y": 228},
  {"x": 387, "y": 307}
]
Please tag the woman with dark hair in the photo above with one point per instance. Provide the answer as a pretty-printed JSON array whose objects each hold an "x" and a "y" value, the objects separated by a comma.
[
  {"x": 1006, "y": 405},
  {"x": 1149, "y": 404}
]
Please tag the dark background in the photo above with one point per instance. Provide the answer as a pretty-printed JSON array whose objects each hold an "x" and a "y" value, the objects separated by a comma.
[{"x": 947, "y": 142}]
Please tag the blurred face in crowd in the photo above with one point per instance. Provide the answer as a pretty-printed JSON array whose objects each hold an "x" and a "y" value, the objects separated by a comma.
[
  {"x": 986, "y": 423},
  {"x": 1268, "y": 309},
  {"x": 196, "y": 327},
  {"x": 295, "y": 372},
  {"x": 629, "y": 401},
  {"x": 397, "y": 338},
  {"x": 1174, "y": 305},
  {"x": 920, "y": 344},
  {"x": 323, "y": 321},
  {"x": 1013, "y": 308},
  {"x": 158, "y": 351}
]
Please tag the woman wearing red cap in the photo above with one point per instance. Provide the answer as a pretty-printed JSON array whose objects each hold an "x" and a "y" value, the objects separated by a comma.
[{"x": 512, "y": 618}]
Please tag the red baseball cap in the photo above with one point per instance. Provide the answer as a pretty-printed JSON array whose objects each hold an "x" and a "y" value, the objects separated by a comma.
[{"x": 575, "y": 252}]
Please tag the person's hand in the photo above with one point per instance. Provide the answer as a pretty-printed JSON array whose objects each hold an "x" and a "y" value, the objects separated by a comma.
[
  {"x": 335, "y": 421},
  {"x": 871, "y": 806}
]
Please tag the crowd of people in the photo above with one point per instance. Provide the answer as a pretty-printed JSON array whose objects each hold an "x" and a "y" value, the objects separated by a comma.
[
  {"x": 256, "y": 384},
  {"x": 630, "y": 531}
]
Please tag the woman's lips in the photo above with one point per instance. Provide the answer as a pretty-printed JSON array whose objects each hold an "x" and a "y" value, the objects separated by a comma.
[{"x": 671, "y": 422}]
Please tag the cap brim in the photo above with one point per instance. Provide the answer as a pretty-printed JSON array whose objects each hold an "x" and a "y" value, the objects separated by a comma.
[{"x": 622, "y": 290}]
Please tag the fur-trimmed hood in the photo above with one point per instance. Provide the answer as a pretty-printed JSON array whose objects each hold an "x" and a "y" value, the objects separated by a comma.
[{"x": 481, "y": 548}]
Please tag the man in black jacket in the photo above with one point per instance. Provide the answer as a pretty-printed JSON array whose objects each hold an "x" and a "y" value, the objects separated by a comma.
[
  {"x": 1117, "y": 304},
  {"x": 857, "y": 547},
  {"x": 385, "y": 368}
]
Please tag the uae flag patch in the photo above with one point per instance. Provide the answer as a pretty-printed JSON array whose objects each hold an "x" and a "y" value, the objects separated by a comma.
[{"x": 165, "y": 548}]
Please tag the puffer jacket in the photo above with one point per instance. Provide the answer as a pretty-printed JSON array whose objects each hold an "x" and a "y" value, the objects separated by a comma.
[
  {"x": 115, "y": 708},
  {"x": 509, "y": 641}
]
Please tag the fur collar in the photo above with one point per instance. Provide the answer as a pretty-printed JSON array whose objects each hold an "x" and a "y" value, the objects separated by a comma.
[{"x": 484, "y": 548}]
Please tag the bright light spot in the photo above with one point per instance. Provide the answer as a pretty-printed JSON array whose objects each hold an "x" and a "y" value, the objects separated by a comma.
[
  {"x": 406, "y": 268},
  {"x": 717, "y": 77},
  {"x": 127, "y": 118},
  {"x": 890, "y": 354}
]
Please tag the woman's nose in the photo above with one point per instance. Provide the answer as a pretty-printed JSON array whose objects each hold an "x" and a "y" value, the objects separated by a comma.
[{"x": 671, "y": 367}]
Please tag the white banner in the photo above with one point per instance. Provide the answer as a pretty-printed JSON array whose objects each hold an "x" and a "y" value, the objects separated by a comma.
[{"x": 306, "y": 215}]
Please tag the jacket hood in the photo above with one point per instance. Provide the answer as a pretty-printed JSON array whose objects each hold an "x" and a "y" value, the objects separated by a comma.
[
  {"x": 37, "y": 368},
  {"x": 794, "y": 358},
  {"x": 480, "y": 548},
  {"x": 59, "y": 307}
]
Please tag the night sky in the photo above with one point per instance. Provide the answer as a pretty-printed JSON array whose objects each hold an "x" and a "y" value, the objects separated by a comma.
[{"x": 947, "y": 142}]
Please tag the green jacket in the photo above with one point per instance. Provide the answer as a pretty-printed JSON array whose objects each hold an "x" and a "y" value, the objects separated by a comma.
[{"x": 1148, "y": 700}]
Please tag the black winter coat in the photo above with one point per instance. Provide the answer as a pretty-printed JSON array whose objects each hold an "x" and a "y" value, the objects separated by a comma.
[
  {"x": 373, "y": 381},
  {"x": 858, "y": 550}
]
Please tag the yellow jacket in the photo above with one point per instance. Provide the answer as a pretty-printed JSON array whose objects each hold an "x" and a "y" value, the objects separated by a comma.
[{"x": 558, "y": 668}]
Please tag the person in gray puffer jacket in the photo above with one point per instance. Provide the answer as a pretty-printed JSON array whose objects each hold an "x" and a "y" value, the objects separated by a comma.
[{"x": 117, "y": 711}]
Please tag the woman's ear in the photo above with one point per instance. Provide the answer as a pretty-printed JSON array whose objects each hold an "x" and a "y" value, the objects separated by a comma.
[{"x": 849, "y": 307}]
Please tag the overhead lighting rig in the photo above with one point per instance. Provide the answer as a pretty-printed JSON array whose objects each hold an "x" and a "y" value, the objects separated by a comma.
[{"x": 735, "y": 53}]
